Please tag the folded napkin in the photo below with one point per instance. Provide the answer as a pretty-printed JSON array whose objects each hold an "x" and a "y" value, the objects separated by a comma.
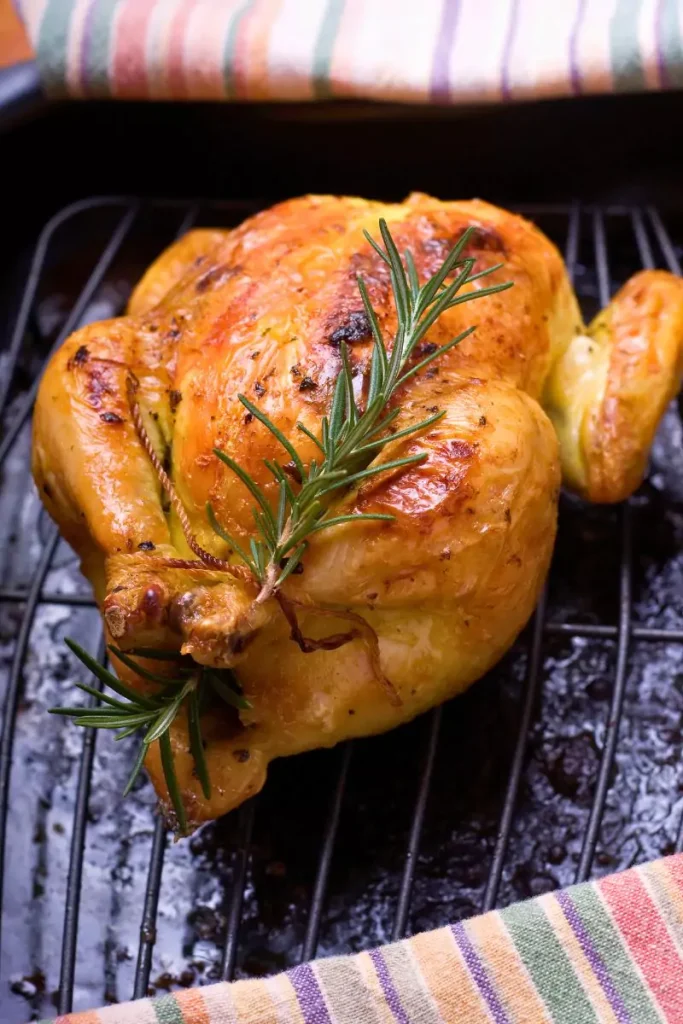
[
  {"x": 402, "y": 50},
  {"x": 609, "y": 951}
]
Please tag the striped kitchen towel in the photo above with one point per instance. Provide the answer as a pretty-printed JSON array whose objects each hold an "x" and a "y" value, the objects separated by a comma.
[
  {"x": 609, "y": 951},
  {"x": 418, "y": 51}
]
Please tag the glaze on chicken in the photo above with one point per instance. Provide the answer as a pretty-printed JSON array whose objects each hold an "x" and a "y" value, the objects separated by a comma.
[{"x": 532, "y": 397}]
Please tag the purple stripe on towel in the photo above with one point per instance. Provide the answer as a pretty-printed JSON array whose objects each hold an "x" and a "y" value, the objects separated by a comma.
[
  {"x": 507, "y": 51},
  {"x": 440, "y": 84},
  {"x": 309, "y": 994},
  {"x": 388, "y": 987},
  {"x": 574, "y": 68},
  {"x": 86, "y": 43},
  {"x": 478, "y": 972},
  {"x": 659, "y": 35},
  {"x": 593, "y": 956}
]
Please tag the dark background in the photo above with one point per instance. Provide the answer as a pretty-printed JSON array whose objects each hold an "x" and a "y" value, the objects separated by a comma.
[
  {"x": 623, "y": 149},
  {"x": 603, "y": 148}
]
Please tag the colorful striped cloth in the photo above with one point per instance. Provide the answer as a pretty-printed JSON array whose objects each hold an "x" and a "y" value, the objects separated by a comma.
[
  {"x": 426, "y": 51},
  {"x": 609, "y": 951}
]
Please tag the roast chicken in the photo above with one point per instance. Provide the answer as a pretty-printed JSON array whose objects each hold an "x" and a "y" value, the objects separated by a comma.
[{"x": 532, "y": 399}]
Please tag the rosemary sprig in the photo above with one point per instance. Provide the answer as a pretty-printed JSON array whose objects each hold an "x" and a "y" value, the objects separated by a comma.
[
  {"x": 350, "y": 437},
  {"x": 350, "y": 440},
  {"x": 154, "y": 712}
]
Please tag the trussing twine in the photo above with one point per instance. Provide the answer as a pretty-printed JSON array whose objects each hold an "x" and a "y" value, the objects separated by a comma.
[
  {"x": 363, "y": 631},
  {"x": 204, "y": 556}
]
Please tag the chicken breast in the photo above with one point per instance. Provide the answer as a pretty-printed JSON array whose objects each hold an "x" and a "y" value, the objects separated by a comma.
[{"x": 449, "y": 583}]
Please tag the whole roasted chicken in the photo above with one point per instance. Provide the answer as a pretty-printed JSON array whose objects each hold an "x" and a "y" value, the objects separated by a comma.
[{"x": 139, "y": 426}]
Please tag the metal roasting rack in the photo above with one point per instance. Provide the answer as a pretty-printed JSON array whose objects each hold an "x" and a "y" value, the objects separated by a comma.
[{"x": 594, "y": 240}]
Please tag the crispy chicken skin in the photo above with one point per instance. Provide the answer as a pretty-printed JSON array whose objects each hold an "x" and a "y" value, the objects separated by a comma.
[{"x": 446, "y": 586}]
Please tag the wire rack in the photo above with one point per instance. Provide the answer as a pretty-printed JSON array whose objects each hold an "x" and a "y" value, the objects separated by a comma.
[{"x": 527, "y": 782}]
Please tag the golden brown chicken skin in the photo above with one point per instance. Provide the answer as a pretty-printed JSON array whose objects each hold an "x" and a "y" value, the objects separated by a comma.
[{"x": 450, "y": 582}]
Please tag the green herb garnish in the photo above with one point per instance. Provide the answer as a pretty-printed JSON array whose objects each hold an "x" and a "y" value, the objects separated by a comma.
[{"x": 153, "y": 712}]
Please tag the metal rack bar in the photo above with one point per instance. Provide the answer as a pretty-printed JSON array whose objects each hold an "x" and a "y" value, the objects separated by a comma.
[
  {"x": 14, "y": 687},
  {"x": 617, "y": 703},
  {"x": 678, "y": 847},
  {"x": 424, "y": 785},
  {"x": 63, "y": 600},
  {"x": 245, "y": 828},
  {"x": 577, "y": 629},
  {"x": 33, "y": 279},
  {"x": 642, "y": 240},
  {"x": 72, "y": 323},
  {"x": 75, "y": 876},
  {"x": 666, "y": 245},
  {"x": 148, "y": 925},
  {"x": 625, "y": 612},
  {"x": 510, "y": 802},
  {"x": 310, "y": 943}
]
